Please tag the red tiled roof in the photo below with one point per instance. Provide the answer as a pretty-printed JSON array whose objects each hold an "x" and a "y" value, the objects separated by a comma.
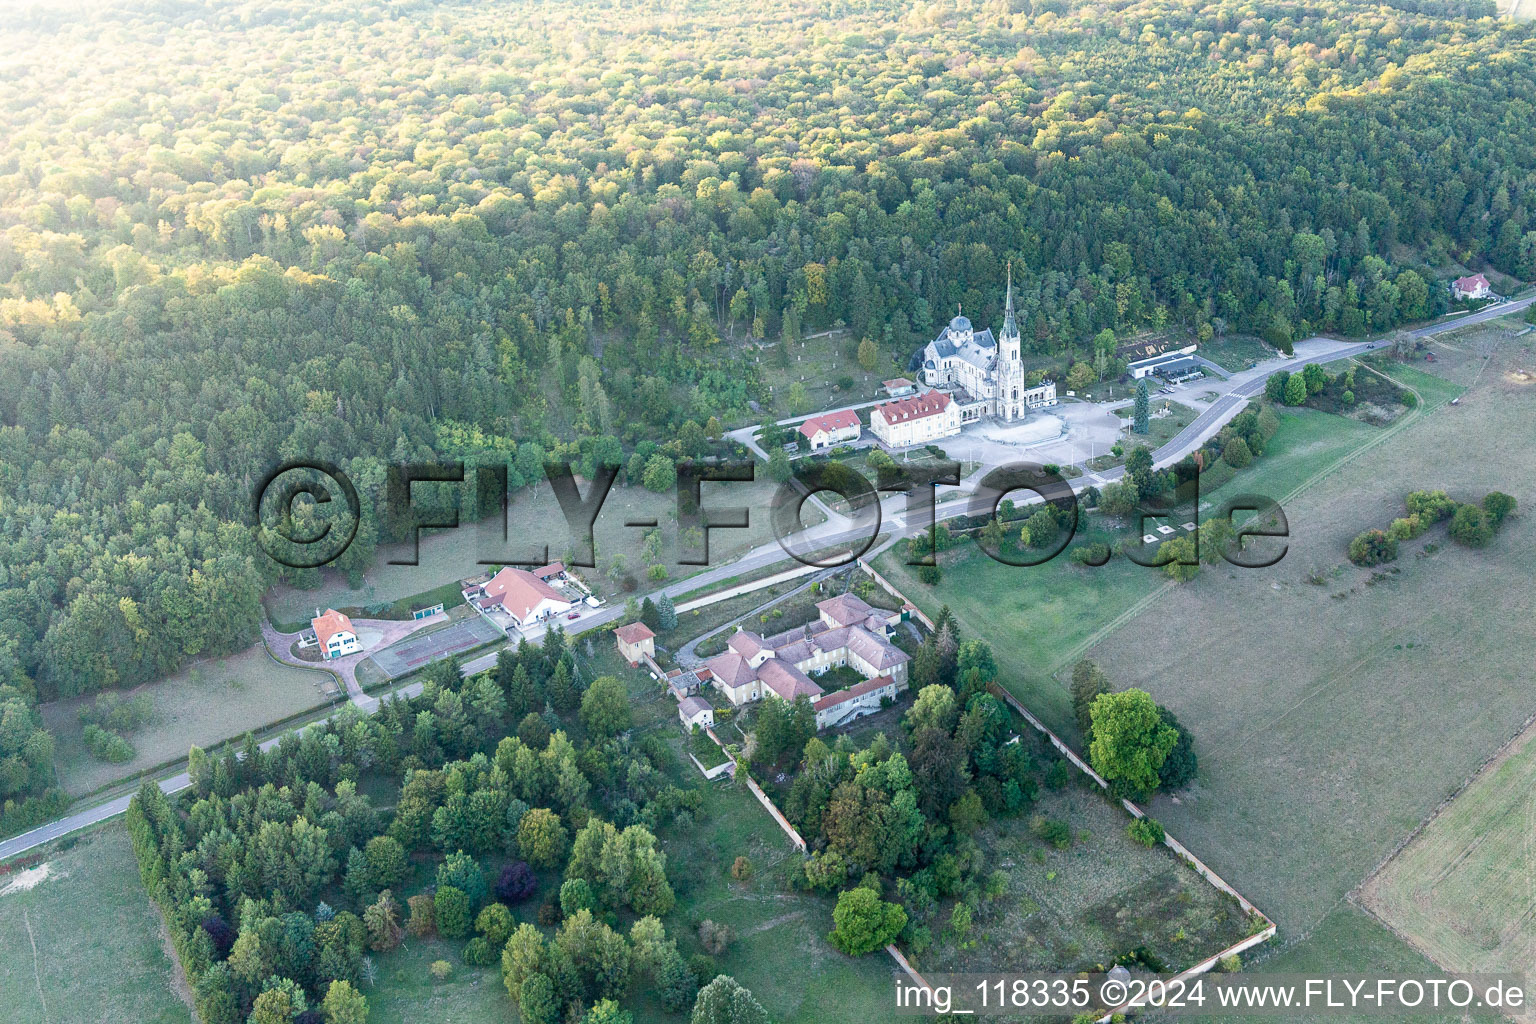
[
  {"x": 830, "y": 421},
  {"x": 845, "y": 609},
  {"x": 915, "y": 408},
  {"x": 520, "y": 591},
  {"x": 786, "y": 680},
  {"x": 634, "y": 633},
  {"x": 832, "y": 700},
  {"x": 899, "y": 382},
  {"x": 1469, "y": 283},
  {"x": 329, "y": 624},
  {"x": 544, "y": 572}
]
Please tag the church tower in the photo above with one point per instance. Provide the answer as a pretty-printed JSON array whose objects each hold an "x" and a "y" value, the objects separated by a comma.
[{"x": 1010, "y": 367}]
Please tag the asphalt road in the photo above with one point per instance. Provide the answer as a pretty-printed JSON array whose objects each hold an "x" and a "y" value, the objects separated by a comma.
[{"x": 892, "y": 523}]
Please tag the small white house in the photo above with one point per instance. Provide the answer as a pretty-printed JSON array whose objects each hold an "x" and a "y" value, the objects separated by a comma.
[
  {"x": 335, "y": 635},
  {"x": 696, "y": 711}
]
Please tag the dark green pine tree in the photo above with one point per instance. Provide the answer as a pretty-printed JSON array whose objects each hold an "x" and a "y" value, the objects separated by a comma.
[{"x": 1143, "y": 406}]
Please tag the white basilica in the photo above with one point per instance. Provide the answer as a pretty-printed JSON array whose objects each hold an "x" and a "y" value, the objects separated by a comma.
[{"x": 985, "y": 376}]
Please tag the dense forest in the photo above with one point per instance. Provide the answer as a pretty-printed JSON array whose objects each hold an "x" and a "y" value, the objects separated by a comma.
[{"x": 232, "y": 234}]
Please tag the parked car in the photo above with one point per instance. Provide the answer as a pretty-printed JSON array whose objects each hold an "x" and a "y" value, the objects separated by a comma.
[{"x": 574, "y": 615}]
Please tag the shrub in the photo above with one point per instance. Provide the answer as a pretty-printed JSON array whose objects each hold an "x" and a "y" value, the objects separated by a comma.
[
  {"x": 576, "y": 894},
  {"x": 1372, "y": 547},
  {"x": 741, "y": 869},
  {"x": 1180, "y": 766},
  {"x": 1471, "y": 526},
  {"x": 423, "y": 919},
  {"x": 1406, "y": 528},
  {"x": 1096, "y": 553},
  {"x": 441, "y": 969},
  {"x": 1048, "y": 830},
  {"x": 929, "y": 574},
  {"x": 1430, "y": 506},
  {"x": 478, "y": 952},
  {"x": 1146, "y": 831},
  {"x": 495, "y": 923},
  {"x": 1498, "y": 505},
  {"x": 107, "y": 746},
  {"x": 1237, "y": 454},
  {"x": 715, "y": 938},
  {"x": 516, "y": 883},
  {"x": 450, "y": 908},
  {"x": 1232, "y": 963}
]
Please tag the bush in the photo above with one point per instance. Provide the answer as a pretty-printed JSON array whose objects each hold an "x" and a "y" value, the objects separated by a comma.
[
  {"x": 715, "y": 938},
  {"x": 1406, "y": 528},
  {"x": 1180, "y": 766},
  {"x": 478, "y": 953},
  {"x": 1146, "y": 831},
  {"x": 1237, "y": 454},
  {"x": 1471, "y": 526},
  {"x": 1372, "y": 547},
  {"x": 1047, "y": 830},
  {"x": 929, "y": 574},
  {"x": 441, "y": 969},
  {"x": 450, "y": 909},
  {"x": 1498, "y": 505},
  {"x": 1096, "y": 553},
  {"x": 741, "y": 869},
  {"x": 1430, "y": 506},
  {"x": 516, "y": 883},
  {"x": 495, "y": 924},
  {"x": 107, "y": 746},
  {"x": 423, "y": 919}
]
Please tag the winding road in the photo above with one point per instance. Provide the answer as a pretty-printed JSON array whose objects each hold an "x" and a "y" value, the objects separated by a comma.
[{"x": 1240, "y": 389}]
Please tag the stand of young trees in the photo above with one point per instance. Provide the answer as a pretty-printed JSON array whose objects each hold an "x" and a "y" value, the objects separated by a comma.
[{"x": 277, "y": 878}]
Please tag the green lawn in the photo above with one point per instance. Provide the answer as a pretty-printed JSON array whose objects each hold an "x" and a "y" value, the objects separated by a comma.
[
  {"x": 83, "y": 945},
  {"x": 1307, "y": 443},
  {"x": 1236, "y": 352},
  {"x": 1034, "y": 617}
]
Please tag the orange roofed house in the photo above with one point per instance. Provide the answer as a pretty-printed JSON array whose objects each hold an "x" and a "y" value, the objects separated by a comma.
[
  {"x": 636, "y": 641},
  {"x": 916, "y": 420},
  {"x": 523, "y": 596},
  {"x": 831, "y": 428},
  {"x": 335, "y": 634}
]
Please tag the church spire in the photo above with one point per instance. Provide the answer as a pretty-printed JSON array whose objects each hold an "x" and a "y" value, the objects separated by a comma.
[{"x": 1010, "y": 327}]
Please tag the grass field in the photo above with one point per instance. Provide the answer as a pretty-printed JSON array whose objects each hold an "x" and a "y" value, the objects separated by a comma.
[
  {"x": 819, "y": 365},
  {"x": 209, "y": 702},
  {"x": 83, "y": 945},
  {"x": 1033, "y": 616},
  {"x": 1167, "y": 419},
  {"x": 1330, "y": 720},
  {"x": 533, "y": 521},
  {"x": 1237, "y": 352},
  {"x": 1463, "y": 887}
]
